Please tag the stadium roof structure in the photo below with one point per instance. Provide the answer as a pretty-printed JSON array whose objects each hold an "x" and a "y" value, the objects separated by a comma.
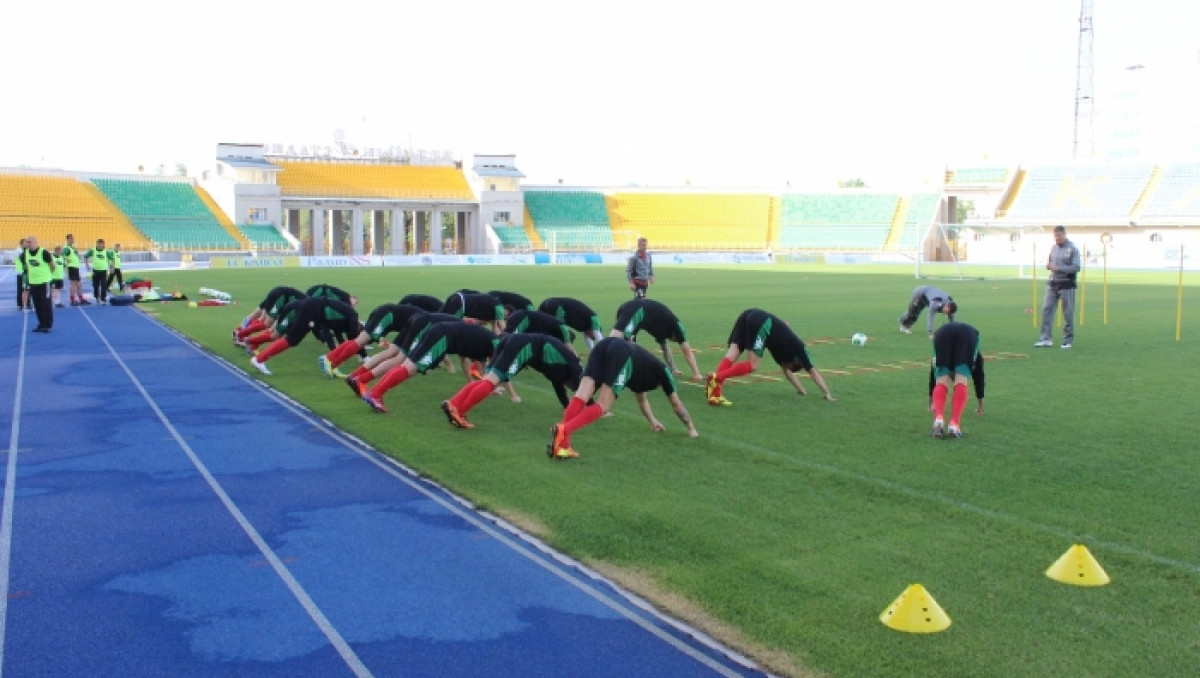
[
  {"x": 249, "y": 163},
  {"x": 487, "y": 171}
]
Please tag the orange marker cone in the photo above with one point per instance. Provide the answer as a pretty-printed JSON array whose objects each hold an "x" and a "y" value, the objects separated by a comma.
[
  {"x": 915, "y": 611},
  {"x": 1078, "y": 567}
]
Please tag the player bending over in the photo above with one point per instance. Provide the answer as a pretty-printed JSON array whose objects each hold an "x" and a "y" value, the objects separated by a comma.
[
  {"x": 956, "y": 357},
  {"x": 755, "y": 331}
]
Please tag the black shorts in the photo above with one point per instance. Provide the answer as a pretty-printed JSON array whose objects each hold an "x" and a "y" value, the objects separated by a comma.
[
  {"x": 57, "y": 284},
  {"x": 73, "y": 274},
  {"x": 610, "y": 364},
  {"x": 750, "y": 331},
  {"x": 954, "y": 349}
]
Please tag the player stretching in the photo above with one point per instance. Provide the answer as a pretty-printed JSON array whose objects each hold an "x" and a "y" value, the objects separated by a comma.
[
  {"x": 755, "y": 331},
  {"x": 956, "y": 357}
]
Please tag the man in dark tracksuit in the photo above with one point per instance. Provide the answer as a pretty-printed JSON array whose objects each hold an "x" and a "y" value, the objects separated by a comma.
[
  {"x": 927, "y": 296},
  {"x": 956, "y": 357},
  {"x": 554, "y": 359}
]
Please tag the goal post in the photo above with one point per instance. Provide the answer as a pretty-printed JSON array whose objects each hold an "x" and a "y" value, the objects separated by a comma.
[{"x": 979, "y": 251}]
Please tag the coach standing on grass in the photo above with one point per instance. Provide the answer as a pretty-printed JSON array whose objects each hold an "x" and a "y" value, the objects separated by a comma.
[
  {"x": 39, "y": 271},
  {"x": 640, "y": 270},
  {"x": 1063, "y": 265}
]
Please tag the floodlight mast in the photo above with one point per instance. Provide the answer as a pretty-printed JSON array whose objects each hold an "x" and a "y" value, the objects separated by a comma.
[{"x": 1084, "y": 99}]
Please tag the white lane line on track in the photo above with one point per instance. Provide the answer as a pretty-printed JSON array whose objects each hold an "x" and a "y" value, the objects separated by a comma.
[
  {"x": 339, "y": 643},
  {"x": 463, "y": 511},
  {"x": 10, "y": 487}
]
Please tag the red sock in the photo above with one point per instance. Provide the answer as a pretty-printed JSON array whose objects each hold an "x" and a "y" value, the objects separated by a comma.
[
  {"x": 723, "y": 365},
  {"x": 958, "y": 403},
  {"x": 259, "y": 339},
  {"x": 255, "y": 326},
  {"x": 735, "y": 370},
  {"x": 461, "y": 396},
  {"x": 574, "y": 407},
  {"x": 939, "y": 400},
  {"x": 343, "y": 352},
  {"x": 479, "y": 392},
  {"x": 359, "y": 373},
  {"x": 278, "y": 346},
  {"x": 394, "y": 377},
  {"x": 588, "y": 415}
]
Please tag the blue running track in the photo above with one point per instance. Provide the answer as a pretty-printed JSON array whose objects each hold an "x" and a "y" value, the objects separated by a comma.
[{"x": 165, "y": 515}]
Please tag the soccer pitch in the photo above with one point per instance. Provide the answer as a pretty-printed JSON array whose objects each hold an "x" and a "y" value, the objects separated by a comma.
[{"x": 791, "y": 523}]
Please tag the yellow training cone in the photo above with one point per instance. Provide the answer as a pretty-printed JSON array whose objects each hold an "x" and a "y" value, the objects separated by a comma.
[
  {"x": 1078, "y": 567},
  {"x": 915, "y": 611}
]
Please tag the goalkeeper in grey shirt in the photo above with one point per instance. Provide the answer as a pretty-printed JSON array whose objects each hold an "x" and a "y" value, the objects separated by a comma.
[{"x": 927, "y": 296}]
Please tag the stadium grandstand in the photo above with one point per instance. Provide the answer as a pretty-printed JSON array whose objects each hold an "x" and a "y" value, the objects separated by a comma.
[{"x": 262, "y": 199}]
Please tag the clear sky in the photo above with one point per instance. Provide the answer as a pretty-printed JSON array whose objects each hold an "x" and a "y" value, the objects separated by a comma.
[{"x": 652, "y": 92}]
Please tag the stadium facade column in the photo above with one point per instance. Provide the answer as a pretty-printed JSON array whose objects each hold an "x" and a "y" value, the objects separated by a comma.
[
  {"x": 319, "y": 233},
  {"x": 399, "y": 234},
  {"x": 377, "y": 231},
  {"x": 356, "y": 231},
  {"x": 435, "y": 232},
  {"x": 420, "y": 232},
  {"x": 337, "y": 232},
  {"x": 293, "y": 223}
]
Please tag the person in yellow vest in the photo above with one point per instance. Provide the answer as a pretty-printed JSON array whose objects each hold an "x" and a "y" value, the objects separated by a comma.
[
  {"x": 114, "y": 271},
  {"x": 56, "y": 285},
  {"x": 19, "y": 270},
  {"x": 39, "y": 267},
  {"x": 98, "y": 260},
  {"x": 71, "y": 259}
]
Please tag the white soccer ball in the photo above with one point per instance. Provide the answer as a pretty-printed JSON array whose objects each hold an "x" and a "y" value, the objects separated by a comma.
[{"x": 859, "y": 339}]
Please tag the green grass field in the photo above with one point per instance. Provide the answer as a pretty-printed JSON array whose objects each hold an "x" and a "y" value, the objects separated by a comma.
[{"x": 791, "y": 523}]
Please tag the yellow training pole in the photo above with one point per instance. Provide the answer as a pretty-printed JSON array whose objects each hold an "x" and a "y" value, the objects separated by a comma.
[
  {"x": 1179, "y": 299},
  {"x": 1083, "y": 291},
  {"x": 1105, "y": 283},
  {"x": 1033, "y": 309}
]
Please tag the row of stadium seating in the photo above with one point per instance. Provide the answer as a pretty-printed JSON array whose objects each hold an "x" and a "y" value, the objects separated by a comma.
[
  {"x": 168, "y": 212},
  {"x": 51, "y": 207},
  {"x": 1177, "y": 193},
  {"x": 264, "y": 237},
  {"x": 848, "y": 221},
  {"x": 359, "y": 180},
  {"x": 1084, "y": 192}
]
